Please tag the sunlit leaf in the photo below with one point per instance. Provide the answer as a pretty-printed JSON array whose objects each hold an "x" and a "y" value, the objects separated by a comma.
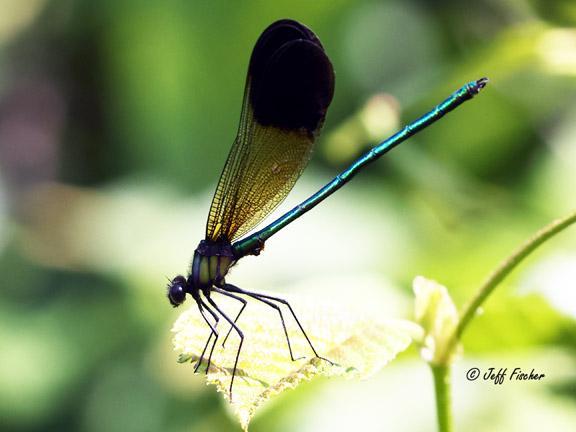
[
  {"x": 436, "y": 313},
  {"x": 358, "y": 345}
]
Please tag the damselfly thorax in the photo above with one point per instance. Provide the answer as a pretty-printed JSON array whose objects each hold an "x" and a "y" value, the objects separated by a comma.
[{"x": 210, "y": 264}]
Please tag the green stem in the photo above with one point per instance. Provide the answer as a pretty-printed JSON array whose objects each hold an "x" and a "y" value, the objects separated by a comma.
[
  {"x": 441, "y": 367},
  {"x": 443, "y": 388},
  {"x": 503, "y": 270}
]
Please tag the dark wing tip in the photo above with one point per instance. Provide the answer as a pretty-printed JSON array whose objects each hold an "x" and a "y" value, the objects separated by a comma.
[
  {"x": 291, "y": 77},
  {"x": 274, "y": 36}
]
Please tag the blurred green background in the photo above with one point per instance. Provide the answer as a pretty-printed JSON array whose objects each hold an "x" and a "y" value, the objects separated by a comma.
[{"x": 115, "y": 121}]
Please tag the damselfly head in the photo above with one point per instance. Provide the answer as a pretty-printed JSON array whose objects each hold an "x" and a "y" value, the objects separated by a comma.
[{"x": 177, "y": 291}]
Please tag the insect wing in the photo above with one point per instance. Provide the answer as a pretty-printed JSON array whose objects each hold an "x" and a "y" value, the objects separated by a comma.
[{"x": 289, "y": 87}]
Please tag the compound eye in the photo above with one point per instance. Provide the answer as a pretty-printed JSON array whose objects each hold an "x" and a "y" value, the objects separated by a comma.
[{"x": 177, "y": 291}]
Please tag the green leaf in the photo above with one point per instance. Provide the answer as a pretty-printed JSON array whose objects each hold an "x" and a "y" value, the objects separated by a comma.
[{"x": 358, "y": 345}]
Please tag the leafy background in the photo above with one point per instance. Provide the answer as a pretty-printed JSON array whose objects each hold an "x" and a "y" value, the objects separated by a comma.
[{"x": 115, "y": 120}]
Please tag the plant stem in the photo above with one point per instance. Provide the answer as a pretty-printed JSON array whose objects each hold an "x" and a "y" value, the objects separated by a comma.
[
  {"x": 503, "y": 270},
  {"x": 443, "y": 389},
  {"x": 442, "y": 367}
]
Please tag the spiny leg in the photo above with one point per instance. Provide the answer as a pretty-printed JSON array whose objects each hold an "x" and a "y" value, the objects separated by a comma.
[
  {"x": 202, "y": 355},
  {"x": 234, "y": 288},
  {"x": 215, "y": 338},
  {"x": 244, "y": 303},
  {"x": 285, "y": 302},
  {"x": 239, "y": 334},
  {"x": 201, "y": 307}
]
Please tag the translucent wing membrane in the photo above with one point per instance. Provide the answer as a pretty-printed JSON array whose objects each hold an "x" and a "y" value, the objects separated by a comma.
[{"x": 288, "y": 90}]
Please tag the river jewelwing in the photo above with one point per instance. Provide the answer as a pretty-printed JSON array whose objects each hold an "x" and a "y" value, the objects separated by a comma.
[{"x": 289, "y": 86}]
